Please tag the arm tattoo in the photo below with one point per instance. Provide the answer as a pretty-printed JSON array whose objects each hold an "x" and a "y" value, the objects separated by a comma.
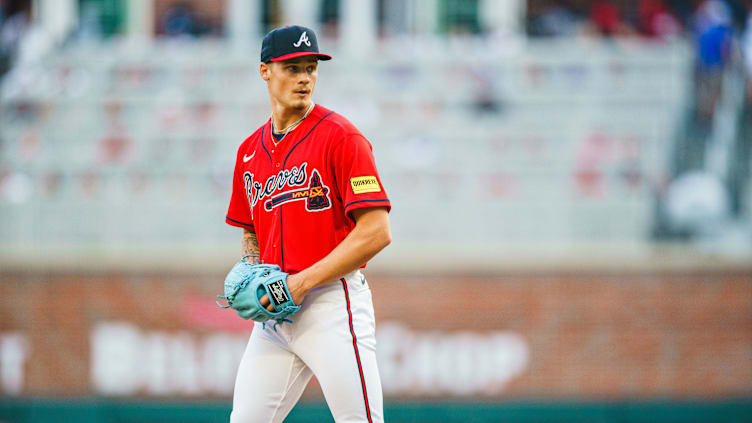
[{"x": 249, "y": 245}]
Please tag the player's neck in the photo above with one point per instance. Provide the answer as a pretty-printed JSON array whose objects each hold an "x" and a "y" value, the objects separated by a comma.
[{"x": 286, "y": 116}]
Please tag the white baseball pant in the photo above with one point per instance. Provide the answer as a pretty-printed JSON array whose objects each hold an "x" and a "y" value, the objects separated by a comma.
[{"x": 333, "y": 337}]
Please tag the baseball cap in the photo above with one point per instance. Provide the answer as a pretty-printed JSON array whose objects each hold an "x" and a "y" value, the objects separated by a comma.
[{"x": 289, "y": 42}]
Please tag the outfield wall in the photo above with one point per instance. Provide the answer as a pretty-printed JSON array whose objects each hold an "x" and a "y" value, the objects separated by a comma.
[{"x": 605, "y": 336}]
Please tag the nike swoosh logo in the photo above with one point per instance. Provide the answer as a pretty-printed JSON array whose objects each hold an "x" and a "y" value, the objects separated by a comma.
[{"x": 246, "y": 158}]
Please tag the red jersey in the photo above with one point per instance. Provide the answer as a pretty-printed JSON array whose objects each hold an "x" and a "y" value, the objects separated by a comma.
[{"x": 297, "y": 196}]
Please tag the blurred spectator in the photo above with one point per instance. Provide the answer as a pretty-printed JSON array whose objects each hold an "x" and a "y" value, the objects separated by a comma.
[
  {"x": 656, "y": 21},
  {"x": 682, "y": 9},
  {"x": 606, "y": 19},
  {"x": 747, "y": 50},
  {"x": 190, "y": 18},
  {"x": 741, "y": 171},
  {"x": 180, "y": 20},
  {"x": 89, "y": 26},
  {"x": 712, "y": 32},
  {"x": 738, "y": 10},
  {"x": 115, "y": 147},
  {"x": 712, "y": 27},
  {"x": 554, "y": 19},
  {"x": 14, "y": 22},
  {"x": 329, "y": 17},
  {"x": 717, "y": 44}
]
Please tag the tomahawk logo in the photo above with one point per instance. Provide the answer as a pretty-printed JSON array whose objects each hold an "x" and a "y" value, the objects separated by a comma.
[
  {"x": 303, "y": 39},
  {"x": 315, "y": 196}
]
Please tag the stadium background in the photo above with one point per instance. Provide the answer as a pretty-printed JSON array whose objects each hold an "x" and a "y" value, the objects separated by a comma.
[{"x": 572, "y": 215}]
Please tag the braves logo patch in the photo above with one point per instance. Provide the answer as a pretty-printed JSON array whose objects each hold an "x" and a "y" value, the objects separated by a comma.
[{"x": 315, "y": 194}]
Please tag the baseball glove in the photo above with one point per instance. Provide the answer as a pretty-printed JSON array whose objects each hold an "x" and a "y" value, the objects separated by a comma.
[{"x": 247, "y": 283}]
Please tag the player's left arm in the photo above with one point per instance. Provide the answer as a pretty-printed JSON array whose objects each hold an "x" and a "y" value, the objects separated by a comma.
[{"x": 369, "y": 236}]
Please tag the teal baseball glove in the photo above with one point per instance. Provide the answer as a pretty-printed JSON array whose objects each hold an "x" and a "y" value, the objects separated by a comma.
[{"x": 246, "y": 283}]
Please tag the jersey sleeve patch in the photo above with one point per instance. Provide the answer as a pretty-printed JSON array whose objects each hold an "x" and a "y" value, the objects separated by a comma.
[{"x": 364, "y": 184}]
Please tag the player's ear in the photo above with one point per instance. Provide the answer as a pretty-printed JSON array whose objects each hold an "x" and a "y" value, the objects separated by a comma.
[{"x": 264, "y": 70}]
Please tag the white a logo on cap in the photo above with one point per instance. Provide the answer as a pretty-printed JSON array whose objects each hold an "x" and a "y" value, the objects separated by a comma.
[{"x": 303, "y": 39}]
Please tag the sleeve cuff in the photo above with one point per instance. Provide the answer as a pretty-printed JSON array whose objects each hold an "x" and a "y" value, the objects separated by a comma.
[
  {"x": 368, "y": 203},
  {"x": 239, "y": 224}
]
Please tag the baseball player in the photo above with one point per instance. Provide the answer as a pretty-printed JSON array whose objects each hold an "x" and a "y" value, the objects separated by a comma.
[{"x": 309, "y": 199}]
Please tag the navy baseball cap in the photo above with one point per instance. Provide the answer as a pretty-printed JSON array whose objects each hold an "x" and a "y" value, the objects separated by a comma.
[{"x": 289, "y": 42}]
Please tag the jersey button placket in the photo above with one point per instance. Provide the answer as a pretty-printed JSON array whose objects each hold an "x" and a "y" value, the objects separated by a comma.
[{"x": 276, "y": 216}]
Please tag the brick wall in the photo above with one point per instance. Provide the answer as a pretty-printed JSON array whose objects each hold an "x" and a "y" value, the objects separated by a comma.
[
  {"x": 601, "y": 336},
  {"x": 588, "y": 336}
]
